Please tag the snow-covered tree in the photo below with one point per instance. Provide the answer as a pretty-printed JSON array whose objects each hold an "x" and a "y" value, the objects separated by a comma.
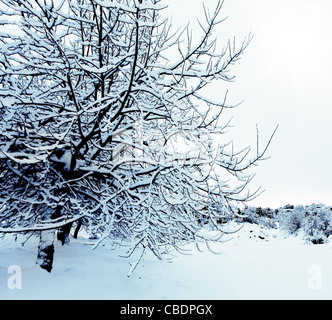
[{"x": 104, "y": 124}]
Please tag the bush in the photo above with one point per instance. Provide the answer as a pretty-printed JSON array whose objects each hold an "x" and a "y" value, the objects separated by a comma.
[
  {"x": 318, "y": 224},
  {"x": 315, "y": 221},
  {"x": 290, "y": 219},
  {"x": 261, "y": 216}
]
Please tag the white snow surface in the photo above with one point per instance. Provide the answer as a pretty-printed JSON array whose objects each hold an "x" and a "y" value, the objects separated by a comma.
[{"x": 257, "y": 263}]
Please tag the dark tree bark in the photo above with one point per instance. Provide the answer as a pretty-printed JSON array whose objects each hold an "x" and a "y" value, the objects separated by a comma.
[
  {"x": 63, "y": 233},
  {"x": 46, "y": 250},
  {"x": 77, "y": 229}
]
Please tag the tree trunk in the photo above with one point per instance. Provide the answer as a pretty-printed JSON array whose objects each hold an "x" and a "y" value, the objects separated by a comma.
[
  {"x": 63, "y": 233},
  {"x": 77, "y": 229},
  {"x": 46, "y": 250}
]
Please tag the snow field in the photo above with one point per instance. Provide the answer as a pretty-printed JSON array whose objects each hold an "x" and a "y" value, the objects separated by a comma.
[{"x": 257, "y": 263}]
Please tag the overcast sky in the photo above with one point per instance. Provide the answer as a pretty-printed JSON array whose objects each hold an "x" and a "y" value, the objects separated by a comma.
[{"x": 285, "y": 78}]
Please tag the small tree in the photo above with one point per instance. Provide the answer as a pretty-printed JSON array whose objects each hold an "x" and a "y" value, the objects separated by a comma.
[{"x": 100, "y": 129}]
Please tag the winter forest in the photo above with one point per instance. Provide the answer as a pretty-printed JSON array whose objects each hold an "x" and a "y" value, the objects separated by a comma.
[{"x": 109, "y": 141}]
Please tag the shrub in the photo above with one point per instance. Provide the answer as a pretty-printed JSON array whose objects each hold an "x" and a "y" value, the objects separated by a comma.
[
  {"x": 261, "y": 216},
  {"x": 290, "y": 219},
  {"x": 317, "y": 224},
  {"x": 315, "y": 221}
]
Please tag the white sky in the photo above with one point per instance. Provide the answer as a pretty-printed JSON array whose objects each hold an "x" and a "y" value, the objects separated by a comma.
[{"x": 285, "y": 78}]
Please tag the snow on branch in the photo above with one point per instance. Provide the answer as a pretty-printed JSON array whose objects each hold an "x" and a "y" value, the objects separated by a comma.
[{"x": 41, "y": 226}]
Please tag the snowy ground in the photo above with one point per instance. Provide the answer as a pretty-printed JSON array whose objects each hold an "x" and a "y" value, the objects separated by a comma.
[{"x": 258, "y": 263}]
